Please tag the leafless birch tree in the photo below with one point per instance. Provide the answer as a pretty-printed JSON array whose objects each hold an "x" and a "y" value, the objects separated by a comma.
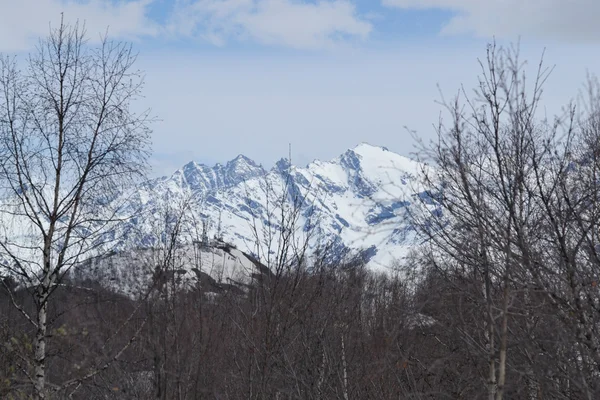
[{"x": 70, "y": 144}]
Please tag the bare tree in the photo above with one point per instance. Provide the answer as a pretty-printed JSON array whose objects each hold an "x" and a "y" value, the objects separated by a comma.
[
  {"x": 482, "y": 166},
  {"x": 514, "y": 230},
  {"x": 71, "y": 143}
]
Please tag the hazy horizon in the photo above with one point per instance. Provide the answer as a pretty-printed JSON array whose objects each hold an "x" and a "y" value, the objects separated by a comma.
[{"x": 229, "y": 77}]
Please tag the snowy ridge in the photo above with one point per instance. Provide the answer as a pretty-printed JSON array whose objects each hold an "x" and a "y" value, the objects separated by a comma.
[{"x": 357, "y": 201}]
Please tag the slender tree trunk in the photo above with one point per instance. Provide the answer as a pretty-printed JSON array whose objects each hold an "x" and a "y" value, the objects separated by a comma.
[
  {"x": 492, "y": 384},
  {"x": 504, "y": 326},
  {"x": 503, "y": 345},
  {"x": 42, "y": 323},
  {"x": 40, "y": 352},
  {"x": 492, "y": 374},
  {"x": 345, "y": 370},
  {"x": 321, "y": 375}
]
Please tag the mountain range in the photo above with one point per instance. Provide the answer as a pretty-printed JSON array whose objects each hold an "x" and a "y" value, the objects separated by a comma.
[{"x": 358, "y": 201}]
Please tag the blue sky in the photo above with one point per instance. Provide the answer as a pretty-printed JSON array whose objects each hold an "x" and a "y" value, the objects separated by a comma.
[{"x": 250, "y": 76}]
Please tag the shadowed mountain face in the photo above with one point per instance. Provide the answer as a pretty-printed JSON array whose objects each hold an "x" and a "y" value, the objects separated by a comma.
[
  {"x": 357, "y": 201},
  {"x": 201, "y": 178}
]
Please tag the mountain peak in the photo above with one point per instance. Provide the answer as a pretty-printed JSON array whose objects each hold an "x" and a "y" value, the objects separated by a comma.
[
  {"x": 242, "y": 168},
  {"x": 201, "y": 177},
  {"x": 368, "y": 147},
  {"x": 240, "y": 158},
  {"x": 191, "y": 165},
  {"x": 283, "y": 164}
]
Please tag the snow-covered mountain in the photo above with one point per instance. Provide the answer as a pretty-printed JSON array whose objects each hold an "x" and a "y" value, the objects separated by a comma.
[{"x": 359, "y": 200}]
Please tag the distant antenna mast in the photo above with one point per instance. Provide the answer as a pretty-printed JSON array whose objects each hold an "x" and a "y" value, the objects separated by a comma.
[
  {"x": 219, "y": 231},
  {"x": 288, "y": 178}
]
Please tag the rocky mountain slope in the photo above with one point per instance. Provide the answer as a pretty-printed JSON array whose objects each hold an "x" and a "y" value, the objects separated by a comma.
[{"x": 358, "y": 201}]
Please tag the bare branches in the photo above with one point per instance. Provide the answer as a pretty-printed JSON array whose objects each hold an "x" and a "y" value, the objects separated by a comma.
[
  {"x": 516, "y": 223},
  {"x": 70, "y": 145}
]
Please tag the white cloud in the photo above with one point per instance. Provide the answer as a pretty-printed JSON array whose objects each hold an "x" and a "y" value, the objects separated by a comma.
[
  {"x": 289, "y": 23},
  {"x": 23, "y": 21},
  {"x": 558, "y": 19}
]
